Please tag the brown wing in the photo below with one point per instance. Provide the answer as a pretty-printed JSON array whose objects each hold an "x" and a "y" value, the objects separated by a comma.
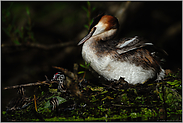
[
  {"x": 131, "y": 44},
  {"x": 141, "y": 57}
]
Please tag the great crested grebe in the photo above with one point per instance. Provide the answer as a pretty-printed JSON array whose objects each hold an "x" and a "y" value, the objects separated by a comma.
[{"x": 127, "y": 58}]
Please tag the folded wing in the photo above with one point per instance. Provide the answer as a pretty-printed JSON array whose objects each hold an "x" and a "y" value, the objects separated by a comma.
[{"x": 130, "y": 44}]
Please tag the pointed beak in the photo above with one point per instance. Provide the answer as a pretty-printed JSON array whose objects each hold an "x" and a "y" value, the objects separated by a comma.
[{"x": 89, "y": 35}]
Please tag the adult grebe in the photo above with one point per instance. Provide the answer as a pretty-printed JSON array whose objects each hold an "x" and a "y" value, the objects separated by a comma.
[{"x": 127, "y": 58}]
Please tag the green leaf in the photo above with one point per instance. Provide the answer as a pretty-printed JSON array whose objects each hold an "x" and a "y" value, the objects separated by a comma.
[
  {"x": 61, "y": 100},
  {"x": 93, "y": 8},
  {"x": 86, "y": 63},
  {"x": 16, "y": 42},
  {"x": 47, "y": 104},
  {"x": 88, "y": 3},
  {"x": 42, "y": 93},
  {"x": 84, "y": 8},
  {"x": 175, "y": 83},
  {"x": 82, "y": 66},
  {"x": 91, "y": 21},
  {"x": 3, "y": 112},
  {"x": 103, "y": 92},
  {"x": 160, "y": 96},
  {"x": 80, "y": 72},
  {"x": 52, "y": 90},
  {"x": 27, "y": 10},
  {"x": 86, "y": 26}
]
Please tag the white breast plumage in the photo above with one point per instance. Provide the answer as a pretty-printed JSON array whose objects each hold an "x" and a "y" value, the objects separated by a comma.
[{"x": 111, "y": 69}]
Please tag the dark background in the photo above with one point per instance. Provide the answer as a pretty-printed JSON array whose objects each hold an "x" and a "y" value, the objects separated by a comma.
[{"x": 51, "y": 23}]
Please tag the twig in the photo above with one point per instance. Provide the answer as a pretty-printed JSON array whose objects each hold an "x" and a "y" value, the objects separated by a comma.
[
  {"x": 31, "y": 84},
  {"x": 75, "y": 72},
  {"x": 35, "y": 105},
  {"x": 41, "y": 46}
]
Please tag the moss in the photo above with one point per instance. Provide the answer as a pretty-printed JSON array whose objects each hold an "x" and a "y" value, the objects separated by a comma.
[{"x": 131, "y": 104}]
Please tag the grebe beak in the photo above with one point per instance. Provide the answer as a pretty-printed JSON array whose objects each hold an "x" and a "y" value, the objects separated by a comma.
[{"x": 89, "y": 35}]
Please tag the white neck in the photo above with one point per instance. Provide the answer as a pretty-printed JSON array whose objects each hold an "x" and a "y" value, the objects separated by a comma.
[{"x": 104, "y": 35}]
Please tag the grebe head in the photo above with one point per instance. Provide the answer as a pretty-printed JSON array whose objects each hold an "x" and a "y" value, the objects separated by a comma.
[{"x": 104, "y": 27}]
